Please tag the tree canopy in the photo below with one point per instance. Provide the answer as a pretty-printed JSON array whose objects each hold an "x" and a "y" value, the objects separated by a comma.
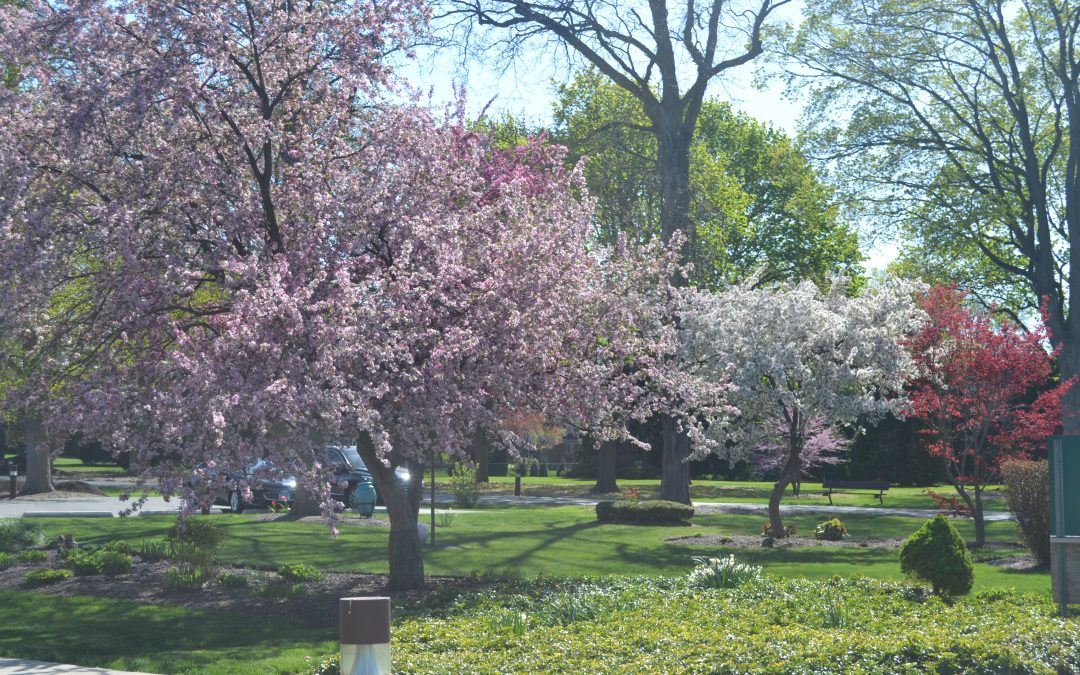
[
  {"x": 265, "y": 250},
  {"x": 953, "y": 119},
  {"x": 756, "y": 204},
  {"x": 800, "y": 360}
]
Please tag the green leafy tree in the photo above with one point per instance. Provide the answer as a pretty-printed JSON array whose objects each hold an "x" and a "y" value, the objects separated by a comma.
[
  {"x": 756, "y": 204},
  {"x": 953, "y": 120}
]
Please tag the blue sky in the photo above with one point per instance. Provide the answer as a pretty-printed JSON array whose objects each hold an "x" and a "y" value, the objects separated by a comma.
[{"x": 526, "y": 89}]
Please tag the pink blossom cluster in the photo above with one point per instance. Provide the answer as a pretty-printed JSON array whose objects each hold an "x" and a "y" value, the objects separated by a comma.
[{"x": 222, "y": 239}]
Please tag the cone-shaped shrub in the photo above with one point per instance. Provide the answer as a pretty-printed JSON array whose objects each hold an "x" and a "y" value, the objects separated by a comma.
[{"x": 936, "y": 553}]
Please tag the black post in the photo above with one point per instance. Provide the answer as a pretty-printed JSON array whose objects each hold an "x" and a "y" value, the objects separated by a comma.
[
  {"x": 517, "y": 481},
  {"x": 13, "y": 473}
]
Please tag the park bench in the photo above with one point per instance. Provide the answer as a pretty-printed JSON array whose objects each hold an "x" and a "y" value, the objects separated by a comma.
[{"x": 850, "y": 486}]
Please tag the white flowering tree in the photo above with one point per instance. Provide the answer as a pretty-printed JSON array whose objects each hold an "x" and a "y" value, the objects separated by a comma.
[{"x": 801, "y": 358}]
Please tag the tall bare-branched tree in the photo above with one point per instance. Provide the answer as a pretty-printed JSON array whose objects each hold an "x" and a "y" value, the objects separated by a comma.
[
  {"x": 665, "y": 55},
  {"x": 953, "y": 118}
]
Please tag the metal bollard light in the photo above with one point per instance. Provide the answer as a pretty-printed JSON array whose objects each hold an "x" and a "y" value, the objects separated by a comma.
[{"x": 365, "y": 636}]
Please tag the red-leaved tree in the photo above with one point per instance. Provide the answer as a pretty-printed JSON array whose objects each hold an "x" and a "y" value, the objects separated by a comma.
[{"x": 984, "y": 390}]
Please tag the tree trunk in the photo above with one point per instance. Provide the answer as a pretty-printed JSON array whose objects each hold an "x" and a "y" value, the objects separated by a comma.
[
  {"x": 304, "y": 504},
  {"x": 675, "y": 472},
  {"x": 480, "y": 451},
  {"x": 406, "y": 551},
  {"x": 605, "y": 468},
  {"x": 38, "y": 459},
  {"x": 977, "y": 516},
  {"x": 673, "y": 163},
  {"x": 789, "y": 474}
]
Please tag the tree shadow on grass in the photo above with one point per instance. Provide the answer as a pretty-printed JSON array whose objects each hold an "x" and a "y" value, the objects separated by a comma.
[{"x": 98, "y": 631}]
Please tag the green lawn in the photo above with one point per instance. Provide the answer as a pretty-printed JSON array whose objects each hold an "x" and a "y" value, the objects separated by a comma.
[
  {"x": 73, "y": 465},
  {"x": 156, "y": 638},
  {"x": 554, "y": 541},
  {"x": 703, "y": 490},
  {"x": 545, "y": 544}
]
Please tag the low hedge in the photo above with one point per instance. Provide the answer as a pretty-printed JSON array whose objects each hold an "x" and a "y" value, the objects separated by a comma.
[
  {"x": 774, "y": 626},
  {"x": 655, "y": 511}
]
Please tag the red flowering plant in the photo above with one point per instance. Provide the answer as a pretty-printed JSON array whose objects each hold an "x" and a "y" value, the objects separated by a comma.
[{"x": 986, "y": 392}]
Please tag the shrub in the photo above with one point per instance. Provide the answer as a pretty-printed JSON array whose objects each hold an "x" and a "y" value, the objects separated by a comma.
[
  {"x": 1027, "y": 486},
  {"x": 83, "y": 562},
  {"x": 233, "y": 580},
  {"x": 193, "y": 544},
  {"x": 464, "y": 486},
  {"x": 112, "y": 563},
  {"x": 19, "y": 534},
  {"x": 177, "y": 580},
  {"x": 832, "y": 529},
  {"x": 646, "y": 511},
  {"x": 33, "y": 556},
  {"x": 936, "y": 553},
  {"x": 197, "y": 532},
  {"x": 7, "y": 560},
  {"x": 46, "y": 576},
  {"x": 789, "y": 530},
  {"x": 297, "y": 573},
  {"x": 722, "y": 572},
  {"x": 120, "y": 546},
  {"x": 279, "y": 589}
]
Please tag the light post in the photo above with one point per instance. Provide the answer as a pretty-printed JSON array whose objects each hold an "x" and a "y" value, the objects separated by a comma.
[{"x": 365, "y": 636}]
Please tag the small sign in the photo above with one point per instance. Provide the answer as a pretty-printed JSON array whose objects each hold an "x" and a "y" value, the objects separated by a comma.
[{"x": 1064, "y": 472}]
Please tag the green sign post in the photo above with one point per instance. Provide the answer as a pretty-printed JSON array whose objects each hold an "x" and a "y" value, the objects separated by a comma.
[{"x": 1064, "y": 455}]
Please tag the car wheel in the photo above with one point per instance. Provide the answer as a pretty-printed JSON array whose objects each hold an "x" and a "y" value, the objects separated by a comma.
[
  {"x": 349, "y": 498},
  {"x": 236, "y": 502}
]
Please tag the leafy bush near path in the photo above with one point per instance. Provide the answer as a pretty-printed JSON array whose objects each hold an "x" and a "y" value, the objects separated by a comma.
[
  {"x": 765, "y": 626},
  {"x": 464, "y": 486},
  {"x": 1027, "y": 492},
  {"x": 649, "y": 511}
]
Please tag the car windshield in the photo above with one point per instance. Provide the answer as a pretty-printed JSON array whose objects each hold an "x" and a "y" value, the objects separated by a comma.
[{"x": 352, "y": 456}]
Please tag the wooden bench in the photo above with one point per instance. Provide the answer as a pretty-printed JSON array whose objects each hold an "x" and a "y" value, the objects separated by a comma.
[{"x": 849, "y": 486}]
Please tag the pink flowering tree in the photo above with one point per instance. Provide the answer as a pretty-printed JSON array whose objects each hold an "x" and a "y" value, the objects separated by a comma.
[
  {"x": 801, "y": 361},
  {"x": 258, "y": 248},
  {"x": 821, "y": 446}
]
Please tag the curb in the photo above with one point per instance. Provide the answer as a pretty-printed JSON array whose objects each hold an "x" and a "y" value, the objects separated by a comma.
[{"x": 67, "y": 514}]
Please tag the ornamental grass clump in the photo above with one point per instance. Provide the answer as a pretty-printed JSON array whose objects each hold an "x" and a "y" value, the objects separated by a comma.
[
  {"x": 16, "y": 535},
  {"x": 935, "y": 553},
  {"x": 722, "y": 572}
]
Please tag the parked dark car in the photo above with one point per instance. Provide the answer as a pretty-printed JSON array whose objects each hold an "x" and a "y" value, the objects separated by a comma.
[
  {"x": 265, "y": 490},
  {"x": 348, "y": 467}
]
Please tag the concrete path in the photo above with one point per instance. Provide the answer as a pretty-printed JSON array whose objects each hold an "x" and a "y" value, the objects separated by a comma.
[
  {"x": 22, "y": 667},
  {"x": 89, "y": 506}
]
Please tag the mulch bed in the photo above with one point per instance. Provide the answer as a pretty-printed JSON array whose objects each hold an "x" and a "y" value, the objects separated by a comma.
[{"x": 316, "y": 605}]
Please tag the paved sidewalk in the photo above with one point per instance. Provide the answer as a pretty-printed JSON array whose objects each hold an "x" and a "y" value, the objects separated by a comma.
[
  {"x": 89, "y": 506},
  {"x": 21, "y": 667}
]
